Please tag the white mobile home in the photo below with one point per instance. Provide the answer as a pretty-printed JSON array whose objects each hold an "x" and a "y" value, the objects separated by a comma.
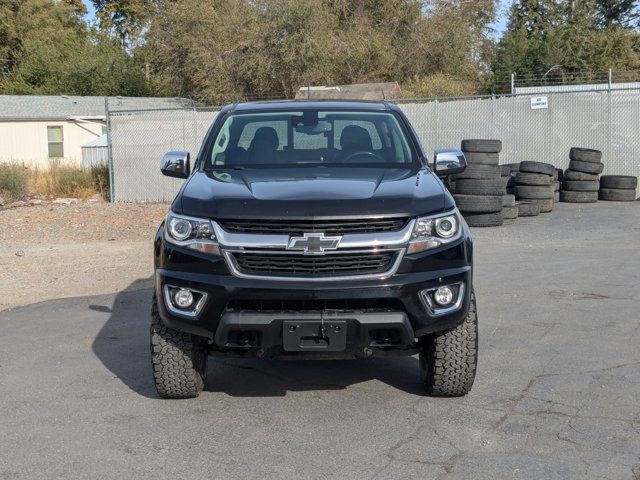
[{"x": 35, "y": 129}]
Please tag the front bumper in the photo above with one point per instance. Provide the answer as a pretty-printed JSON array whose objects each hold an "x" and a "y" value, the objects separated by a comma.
[{"x": 398, "y": 294}]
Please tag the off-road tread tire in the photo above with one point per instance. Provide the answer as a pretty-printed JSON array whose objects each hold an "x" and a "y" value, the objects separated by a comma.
[
  {"x": 449, "y": 359},
  {"x": 508, "y": 200},
  {"x": 531, "y": 192},
  {"x": 479, "y": 158},
  {"x": 481, "y": 146},
  {"x": 480, "y": 171},
  {"x": 559, "y": 176},
  {"x": 469, "y": 186},
  {"x": 556, "y": 196},
  {"x": 509, "y": 213},
  {"x": 586, "y": 167},
  {"x": 528, "y": 209},
  {"x": 617, "y": 195},
  {"x": 537, "y": 167},
  {"x": 536, "y": 179},
  {"x": 505, "y": 170},
  {"x": 178, "y": 359},
  {"x": 484, "y": 219},
  {"x": 478, "y": 203},
  {"x": 578, "y": 197},
  {"x": 575, "y": 175},
  {"x": 585, "y": 155},
  {"x": 619, "y": 182}
]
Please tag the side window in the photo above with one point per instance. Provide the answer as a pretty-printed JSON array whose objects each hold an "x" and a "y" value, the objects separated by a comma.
[
  {"x": 249, "y": 131},
  {"x": 217, "y": 157},
  {"x": 339, "y": 125},
  {"x": 55, "y": 142}
]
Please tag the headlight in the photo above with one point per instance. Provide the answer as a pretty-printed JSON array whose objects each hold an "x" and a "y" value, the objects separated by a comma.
[
  {"x": 194, "y": 233},
  {"x": 434, "y": 231}
]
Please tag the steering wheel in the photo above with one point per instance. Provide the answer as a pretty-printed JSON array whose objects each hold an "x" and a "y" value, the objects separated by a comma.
[{"x": 364, "y": 153}]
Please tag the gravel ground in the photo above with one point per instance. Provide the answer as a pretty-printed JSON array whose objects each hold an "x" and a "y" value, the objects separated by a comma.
[
  {"x": 55, "y": 251},
  {"x": 556, "y": 396}
]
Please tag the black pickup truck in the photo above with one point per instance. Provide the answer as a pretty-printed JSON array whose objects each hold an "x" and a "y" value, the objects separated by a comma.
[{"x": 313, "y": 230}]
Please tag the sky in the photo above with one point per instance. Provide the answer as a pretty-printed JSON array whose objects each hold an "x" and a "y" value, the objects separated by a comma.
[
  {"x": 92, "y": 11},
  {"x": 499, "y": 25}
]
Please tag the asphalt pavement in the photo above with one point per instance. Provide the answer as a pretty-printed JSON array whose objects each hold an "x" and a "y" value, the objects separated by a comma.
[{"x": 557, "y": 395}]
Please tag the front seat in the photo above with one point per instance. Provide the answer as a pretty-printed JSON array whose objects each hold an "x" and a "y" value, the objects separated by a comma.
[
  {"x": 264, "y": 146},
  {"x": 355, "y": 139}
]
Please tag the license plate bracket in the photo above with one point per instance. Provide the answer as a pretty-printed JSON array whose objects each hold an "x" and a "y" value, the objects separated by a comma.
[{"x": 314, "y": 335}]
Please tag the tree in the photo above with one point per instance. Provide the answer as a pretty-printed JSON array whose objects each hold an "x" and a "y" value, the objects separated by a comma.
[
  {"x": 126, "y": 18},
  {"x": 561, "y": 40},
  {"x": 47, "y": 48},
  {"x": 618, "y": 12},
  {"x": 219, "y": 51}
]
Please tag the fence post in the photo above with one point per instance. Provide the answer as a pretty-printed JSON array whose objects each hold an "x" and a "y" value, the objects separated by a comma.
[
  {"x": 609, "y": 127},
  {"x": 109, "y": 150},
  {"x": 437, "y": 142},
  {"x": 513, "y": 83}
]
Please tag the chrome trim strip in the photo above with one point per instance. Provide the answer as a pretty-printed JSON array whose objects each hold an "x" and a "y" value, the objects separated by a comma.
[
  {"x": 228, "y": 256},
  {"x": 185, "y": 313},
  {"x": 352, "y": 240},
  {"x": 438, "y": 312},
  {"x": 299, "y": 253}
]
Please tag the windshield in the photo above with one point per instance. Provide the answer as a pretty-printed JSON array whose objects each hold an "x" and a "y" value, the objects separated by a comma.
[{"x": 311, "y": 137}]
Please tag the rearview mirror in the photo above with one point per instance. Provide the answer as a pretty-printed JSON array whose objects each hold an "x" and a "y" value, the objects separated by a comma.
[
  {"x": 176, "y": 164},
  {"x": 448, "y": 161}
]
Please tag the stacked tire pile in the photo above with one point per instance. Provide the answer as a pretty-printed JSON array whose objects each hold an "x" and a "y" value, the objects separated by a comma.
[
  {"x": 580, "y": 183},
  {"x": 479, "y": 190},
  {"x": 618, "y": 188},
  {"x": 535, "y": 188}
]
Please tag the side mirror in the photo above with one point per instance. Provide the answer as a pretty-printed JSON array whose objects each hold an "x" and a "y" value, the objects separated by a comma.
[
  {"x": 448, "y": 161},
  {"x": 176, "y": 164}
]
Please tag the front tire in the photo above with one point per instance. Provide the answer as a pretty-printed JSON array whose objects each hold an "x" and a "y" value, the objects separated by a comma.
[
  {"x": 179, "y": 360},
  {"x": 448, "y": 359}
]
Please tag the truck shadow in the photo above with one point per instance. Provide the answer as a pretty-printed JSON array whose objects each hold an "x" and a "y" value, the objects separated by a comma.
[{"x": 122, "y": 345}]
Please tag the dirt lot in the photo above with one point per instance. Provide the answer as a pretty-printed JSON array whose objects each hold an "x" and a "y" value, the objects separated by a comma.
[
  {"x": 55, "y": 251},
  {"x": 556, "y": 396}
]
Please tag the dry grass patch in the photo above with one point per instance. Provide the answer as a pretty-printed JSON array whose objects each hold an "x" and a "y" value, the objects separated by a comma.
[{"x": 17, "y": 182}]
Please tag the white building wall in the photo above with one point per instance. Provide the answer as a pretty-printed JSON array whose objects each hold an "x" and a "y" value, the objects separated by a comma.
[{"x": 26, "y": 141}]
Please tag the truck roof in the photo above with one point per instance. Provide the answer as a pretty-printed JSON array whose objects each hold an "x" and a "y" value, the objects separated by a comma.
[{"x": 301, "y": 104}]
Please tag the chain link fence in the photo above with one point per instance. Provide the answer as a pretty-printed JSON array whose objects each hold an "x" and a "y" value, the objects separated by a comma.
[
  {"x": 137, "y": 141},
  {"x": 532, "y": 127}
]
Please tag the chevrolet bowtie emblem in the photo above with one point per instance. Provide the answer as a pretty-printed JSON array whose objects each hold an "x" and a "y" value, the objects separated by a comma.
[{"x": 313, "y": 243}]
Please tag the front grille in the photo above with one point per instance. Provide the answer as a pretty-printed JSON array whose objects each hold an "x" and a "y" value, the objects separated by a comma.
[
  {"x": 329, "y": 227},
  {"x": 298, "y": 265}
]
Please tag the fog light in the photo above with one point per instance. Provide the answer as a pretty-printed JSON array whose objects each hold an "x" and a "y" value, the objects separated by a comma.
[
  {"x": 183, "y": 298},
  {"x": 443, "y": 296},
  {"x": 444, "y": 299}
]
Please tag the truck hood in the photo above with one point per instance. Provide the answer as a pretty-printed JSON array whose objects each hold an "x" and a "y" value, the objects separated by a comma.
[{"x": 312, "y": 193}]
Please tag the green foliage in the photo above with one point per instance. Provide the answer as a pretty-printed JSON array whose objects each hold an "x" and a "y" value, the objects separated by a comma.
[
  {"x": 561, "y": 39},
  {"x": 124, "y": 18},
  {"x": 438, "y": 85},
  {"x": 618, "y": 12},
  {"x": 47, "y": 48},
  {"x": 218, "y": 51},
  {"x": 14, "y": 181},
  {"x": 231, "y": 49}
]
